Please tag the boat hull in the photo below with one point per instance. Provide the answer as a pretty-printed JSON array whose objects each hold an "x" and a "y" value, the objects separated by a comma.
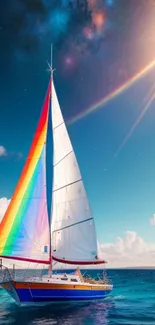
[{"x": 48, "y": 292}]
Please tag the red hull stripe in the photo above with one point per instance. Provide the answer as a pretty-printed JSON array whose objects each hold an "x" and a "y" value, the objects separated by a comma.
[
  {"x": 26, "y": 259},
  {"x": 78, "y": 262}
]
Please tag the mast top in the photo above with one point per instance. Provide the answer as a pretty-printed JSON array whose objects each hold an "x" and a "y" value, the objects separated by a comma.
[{"x": 50, "y": 69}]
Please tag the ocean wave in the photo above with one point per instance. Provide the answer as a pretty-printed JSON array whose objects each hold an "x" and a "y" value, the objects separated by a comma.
[{"x": 115, "y": 298}]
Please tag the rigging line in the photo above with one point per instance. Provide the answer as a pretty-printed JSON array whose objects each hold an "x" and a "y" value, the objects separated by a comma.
[
  {"x": 60, "y": 188},
  {"x": 58, "y": 125},
  {"x": 73, "y": 224},
  {"x": 63, "y": 158}
]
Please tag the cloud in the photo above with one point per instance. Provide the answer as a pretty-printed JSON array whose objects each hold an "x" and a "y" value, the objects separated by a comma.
[
  {"x": 152, "y": 220},
  {"x": 16, "y": 155},
  {"x": 3, "y": 151},
  {"x": 131, "y": 250},
  {"x": 19, "y": 155},
  {"x": 4, "y": 202}
]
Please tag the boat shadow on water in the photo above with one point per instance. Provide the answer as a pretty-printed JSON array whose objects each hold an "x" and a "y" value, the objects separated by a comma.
[{"x": 81, "y": 313}]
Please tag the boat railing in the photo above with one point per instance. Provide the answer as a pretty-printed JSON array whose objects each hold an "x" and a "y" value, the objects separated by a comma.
[
  {"x": 94, "y": 281},
  {"x": 104, "y": 279},
  {"x": 6, "y": 275}
]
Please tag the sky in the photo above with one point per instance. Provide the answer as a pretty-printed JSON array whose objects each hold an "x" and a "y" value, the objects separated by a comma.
[{"x": 104, "y": 56}]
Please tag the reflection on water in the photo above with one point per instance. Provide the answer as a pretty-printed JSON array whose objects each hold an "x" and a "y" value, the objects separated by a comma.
[{"x": 85, "y": 313}]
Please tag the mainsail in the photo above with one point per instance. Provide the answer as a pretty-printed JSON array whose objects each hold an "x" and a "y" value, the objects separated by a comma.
[
  {"x": 73, "y": 229},
  {"x": 25, "y": 228}
]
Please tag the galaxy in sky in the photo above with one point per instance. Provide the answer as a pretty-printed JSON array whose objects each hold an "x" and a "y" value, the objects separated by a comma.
[
  {"x": 59, "y": 22},
  {"x": 97, "y": 44}
]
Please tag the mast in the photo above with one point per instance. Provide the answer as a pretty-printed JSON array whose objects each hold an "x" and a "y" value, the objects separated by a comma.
[{"x": 51, "y": 77}]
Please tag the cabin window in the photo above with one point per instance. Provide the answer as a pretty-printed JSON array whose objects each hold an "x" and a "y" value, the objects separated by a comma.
[
  {"x": 64, "y": 279},
  {"x": 45, "y": 249},
  {"x": 74, "y": 280}
]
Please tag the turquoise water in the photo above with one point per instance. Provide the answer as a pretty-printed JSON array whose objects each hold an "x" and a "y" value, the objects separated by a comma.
[{"x": 132, "y": 303}]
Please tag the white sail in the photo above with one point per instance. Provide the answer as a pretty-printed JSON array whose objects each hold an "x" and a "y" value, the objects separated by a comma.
[{"x": 73, "y": 228}]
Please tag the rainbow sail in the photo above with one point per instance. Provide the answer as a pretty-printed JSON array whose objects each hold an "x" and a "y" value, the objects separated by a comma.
[{"x": 25, "y": 228}]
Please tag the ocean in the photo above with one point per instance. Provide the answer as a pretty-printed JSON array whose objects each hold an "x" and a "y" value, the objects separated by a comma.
[{"x": 132, "y": 302}]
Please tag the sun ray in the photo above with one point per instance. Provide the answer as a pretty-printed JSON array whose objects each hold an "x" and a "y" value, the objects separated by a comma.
[
  {"x": 99, "y": 104},
  {"x": 127, "y": 137}
]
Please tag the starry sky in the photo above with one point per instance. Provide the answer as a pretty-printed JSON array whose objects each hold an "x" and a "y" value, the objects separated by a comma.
[{"x": 104, "y": 56}]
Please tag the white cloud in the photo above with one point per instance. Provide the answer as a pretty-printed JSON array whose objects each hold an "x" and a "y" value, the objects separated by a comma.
[
  {"x": 131, "y": 250},
  {"x": 152, "y": 220},
  {"x": 19, "y": 155},
  {"x": 3, "y": 151},
  {"x": 4, "y": 202}
]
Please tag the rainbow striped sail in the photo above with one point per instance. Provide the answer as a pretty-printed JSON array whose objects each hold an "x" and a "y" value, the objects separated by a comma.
[{"x": 25, "y": 228}]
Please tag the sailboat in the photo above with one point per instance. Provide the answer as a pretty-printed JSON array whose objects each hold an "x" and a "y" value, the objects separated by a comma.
[{"x": 68, "y": 236}]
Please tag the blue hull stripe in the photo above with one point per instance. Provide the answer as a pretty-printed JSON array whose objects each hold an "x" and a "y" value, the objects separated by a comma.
[{"x": 26, "y": 295}]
